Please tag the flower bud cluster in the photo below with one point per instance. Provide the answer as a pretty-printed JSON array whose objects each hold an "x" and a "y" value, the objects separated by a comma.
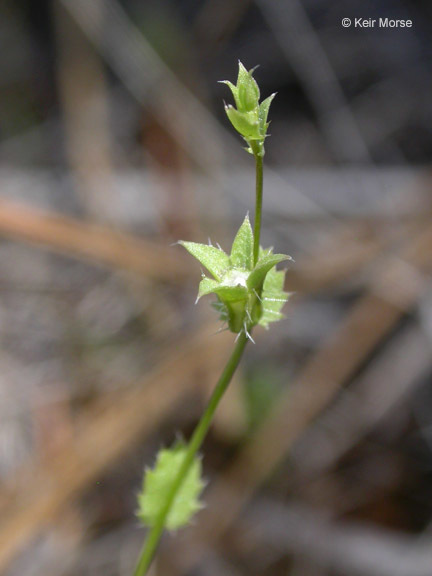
[{"x": 249, "y": 117}]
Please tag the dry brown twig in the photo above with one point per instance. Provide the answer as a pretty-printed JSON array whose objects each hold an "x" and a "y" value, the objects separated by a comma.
[{"x": 93, "y": 242}]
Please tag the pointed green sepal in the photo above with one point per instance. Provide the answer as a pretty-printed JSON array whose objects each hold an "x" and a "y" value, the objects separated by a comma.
[{"x": 214, "y": 259}]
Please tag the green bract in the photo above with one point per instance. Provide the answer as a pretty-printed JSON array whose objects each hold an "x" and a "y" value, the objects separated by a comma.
[
  {"x": 250, "y": 117},
  {"x": 157, "y": 485},
  {"x": 247, "y": 294}
]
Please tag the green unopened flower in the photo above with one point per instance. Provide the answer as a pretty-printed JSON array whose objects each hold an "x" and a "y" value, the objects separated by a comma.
[
  {"x": 247, "y": 295},
  {"x": 250, "y": 117}
]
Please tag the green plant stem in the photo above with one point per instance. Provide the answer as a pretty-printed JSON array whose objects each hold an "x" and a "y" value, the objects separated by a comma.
[
  {"x": 152, "y": 541},
  {"x": 258, "y": 204}
]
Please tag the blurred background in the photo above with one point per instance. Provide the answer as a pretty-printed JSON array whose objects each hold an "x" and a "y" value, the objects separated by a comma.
[{"x": 114, "y": 145}]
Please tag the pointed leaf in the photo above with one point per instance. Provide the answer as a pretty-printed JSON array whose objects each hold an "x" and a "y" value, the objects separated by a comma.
[
  {"x": 273, "y": 297},
  {"x": 214, "y": 259},
  {"x": 157, "y": 485},
  {"x": 242, "y": 248},
  {"x": 248, "y": 90},
  {"x": 269, "y": 316},
  {"x": 264, "y": 252},
  {"x": 272, "y": 305},
  {"x": 242, "y": 74},
  {"x": 231, "y": 293},
  {"x": 263, "y": 113},
  {"x": 233, "y": 90},
  {"x": 246, "y": 123},
  {"x": 258, "y": 274},
  {"x": 207, "y": 286},
  {"x": 274, "y": 281}
]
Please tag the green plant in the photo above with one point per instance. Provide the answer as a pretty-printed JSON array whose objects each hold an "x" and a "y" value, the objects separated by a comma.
[{"x": 249, "y": 291}]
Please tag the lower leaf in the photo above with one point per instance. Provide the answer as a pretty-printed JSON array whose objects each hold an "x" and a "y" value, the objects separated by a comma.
[{"x": 157, "y": 487}]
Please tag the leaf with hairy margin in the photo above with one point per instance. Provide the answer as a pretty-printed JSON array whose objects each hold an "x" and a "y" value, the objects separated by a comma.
[
  {"x": 214, "y": 259},
  {"x": 157, "y": 485}
]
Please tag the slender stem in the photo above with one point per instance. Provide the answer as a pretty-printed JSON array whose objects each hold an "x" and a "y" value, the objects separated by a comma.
[
  {"x": 258, "y": 204},
  {"x": 197, "y": 439}
]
